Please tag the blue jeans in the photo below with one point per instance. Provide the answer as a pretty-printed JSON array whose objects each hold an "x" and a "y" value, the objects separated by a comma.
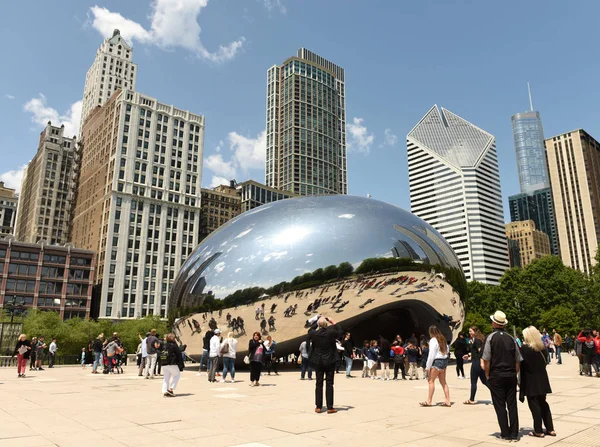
[
  {"x": 558, "y": 357},
  {"x": 203, "y": 358},
  {"x": 228, "y": 365},
  {"x": 305, "y": 367},
  {"x": 348, "y": 365},
  {"x": 96, "y": 360}
]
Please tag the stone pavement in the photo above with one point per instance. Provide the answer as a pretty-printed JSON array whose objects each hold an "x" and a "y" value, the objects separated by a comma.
[{"x": 68, "y": 406}]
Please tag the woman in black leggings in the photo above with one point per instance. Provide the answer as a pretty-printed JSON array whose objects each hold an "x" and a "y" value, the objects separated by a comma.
[
  {"x": 477, "y": 373},
  {"x": 460, "y": 351},
  {"x": 256, "y": 353}
]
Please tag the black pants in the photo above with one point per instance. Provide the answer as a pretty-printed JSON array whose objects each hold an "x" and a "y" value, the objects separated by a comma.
[
  {"x": 51, "y": 357},
  {"x": 399, "y": 366},
  {"x": 476, "y": 374},
  {"x": 504, "y": 397},
  {"x": 460, "y": 370},
  {"x": 327, "y": 372},
  {"x": 33, "y": 357},
  {"x": 540, "y": 410},
  {"x": 255, "y": 370},
  {"x": 271, "y": 363}
]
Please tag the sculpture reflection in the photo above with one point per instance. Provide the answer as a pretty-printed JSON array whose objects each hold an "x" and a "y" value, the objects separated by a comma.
[{"x": 380, "y": 269}]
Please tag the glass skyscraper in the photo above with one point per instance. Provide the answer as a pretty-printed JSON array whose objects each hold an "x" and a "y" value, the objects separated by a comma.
[{"x": 535, "y": 201}]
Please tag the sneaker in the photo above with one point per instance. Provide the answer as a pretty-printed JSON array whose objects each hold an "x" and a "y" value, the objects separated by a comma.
[
  {"x": 40, "y": 369},
  {"x": 222, "y": 381}
]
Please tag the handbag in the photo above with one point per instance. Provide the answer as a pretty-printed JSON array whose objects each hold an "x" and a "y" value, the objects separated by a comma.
[
  {"x": 299, "y": 361},
  {"x": 247, "y": 360}
]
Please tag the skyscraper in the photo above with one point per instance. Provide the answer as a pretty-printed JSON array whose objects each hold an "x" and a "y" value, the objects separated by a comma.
[
  {"x": 112, "y": 69},
  {"x": 44, "y": 210},
  {"x": 138, "y": 201},
  {"x": 455, "y": 187},
  {"x": 535, "y": 200},
  {"x": 533, "y": 243},
  {"x": 306, "y": 126},
  {"x": 574, "y": 166},
  {"x": 8, "y": 210}
]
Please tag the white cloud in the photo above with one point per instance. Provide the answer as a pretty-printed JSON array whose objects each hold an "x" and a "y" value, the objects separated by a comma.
[
  {"x": 219, "y": 166},
  {"x": 274, "y": 255},
  {"x": 12, "y": 179},
  {"x": 389, "y": 138},
  {"x": 359, "y": 138},
  {"x": 173, "y": 23},
  {"x": 41, "y": 114},
  {"x": 7, "y": 96},
  {"x": 275, "y": 4},
  {"x": 217, "y": 181},
  {"x": 249, "y": 153}
]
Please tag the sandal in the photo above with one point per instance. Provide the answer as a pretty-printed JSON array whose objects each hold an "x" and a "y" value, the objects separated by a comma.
[
  {"x": 535, "y": 435},
  {"x": 470, "y": 402},
  {"x": 550, "y": 433},
  {"x": 445, "y": 405},
  {"x": 425, "y": 404}
]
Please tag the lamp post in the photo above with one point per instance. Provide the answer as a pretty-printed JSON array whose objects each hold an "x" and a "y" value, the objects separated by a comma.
[{"x": 13, "y": 308}]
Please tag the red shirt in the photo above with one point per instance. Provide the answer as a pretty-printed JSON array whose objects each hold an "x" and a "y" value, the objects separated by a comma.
[{"x": 399, "y": 350}]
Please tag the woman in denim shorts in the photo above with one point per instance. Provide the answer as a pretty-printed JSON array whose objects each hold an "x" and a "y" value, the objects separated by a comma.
[{"x": 437, "y": 362}]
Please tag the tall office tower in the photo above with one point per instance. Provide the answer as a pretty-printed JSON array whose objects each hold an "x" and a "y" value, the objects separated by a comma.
[
  {"x": 533, "y": 243},
  {"x": 574, "y": 165},
  {"x": 455, "y": 187},
  {"x": 535, "y": 200},
  {"x": 112, "y": 69},
  {"x": 218, "y": 206},
  {"x": 46, "y": 190},
  {"x": 139, "y": 193},
  {"x": 8, "y": 210},
  {"x": 306, "y": 126}
]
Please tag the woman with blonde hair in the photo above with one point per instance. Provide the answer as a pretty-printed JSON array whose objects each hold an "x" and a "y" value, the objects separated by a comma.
[
  {"x": 534, "y": 382},
  {"x": 172, "y": 365},
  {"x": 229, "y": 349},
  {"x": 22, "y": 351},
  {"x": 437, "y": 362}
]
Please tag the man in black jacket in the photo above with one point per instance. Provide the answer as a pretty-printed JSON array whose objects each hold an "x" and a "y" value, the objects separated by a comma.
[{"x": 322, "y": 356}]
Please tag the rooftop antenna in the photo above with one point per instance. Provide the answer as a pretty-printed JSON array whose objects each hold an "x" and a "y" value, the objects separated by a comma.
[{"x": 530, "y": 101}]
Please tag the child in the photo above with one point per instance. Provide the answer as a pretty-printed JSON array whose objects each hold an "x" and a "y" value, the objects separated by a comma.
[
  {"x": 82, "y": 359},
  {"x": 373, "y": 358},
  {"x": 363, "y": 355},
  {"x": 412, "y": 352},
  {"x": 424, "y": 355}
]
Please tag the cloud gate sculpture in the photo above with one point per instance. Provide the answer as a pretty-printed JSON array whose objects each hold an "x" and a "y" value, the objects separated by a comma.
[{"x": 374, "y": 268}]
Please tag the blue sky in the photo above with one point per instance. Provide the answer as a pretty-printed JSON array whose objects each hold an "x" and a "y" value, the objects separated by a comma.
[{"x": 401, "y": 57}]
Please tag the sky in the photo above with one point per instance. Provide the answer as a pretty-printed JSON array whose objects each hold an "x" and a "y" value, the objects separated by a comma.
[{"x": 400, "y": 58}]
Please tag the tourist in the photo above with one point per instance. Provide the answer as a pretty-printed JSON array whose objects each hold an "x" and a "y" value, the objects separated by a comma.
[
  {"x": 151, "y": 344},
  {"x": 97, "y": 353},
  {"x": 33, "y": 354},
  {"x": 205, "y": 348},
  {"x": 423, "y": 360},
  {"x": 412, "y": 353},
  {"x": 348, "y": 346},
  {"x": 460, "y": 350},
  {"x": 143, "y": 354},
  {"x": 256, "y": 354},
  {"x": 323, "y": 355},
  {"x": 364, "y": 355},
  {"x": 373, "y": 358},
  {"x": 305, "y": 365},
  {"x": 52, "y": 353},
  {"x": 213, "y": 354},
  {"x": 501, "y": 360},
  {"x": 159, "y": 348},
  {"x": 476, "y": 372},
  {"x": 270, "y": 357},
  {"x": 385, "y": 359},
  {"x": 588, "y": 351},
  {"x": 534, "y": 382},
  {"x": 89, "y": 355},
  {"x": 39, "y": 355},
  {"x": 558, "y": 345},
  {"x": 82, "y": 358},
  {"x": 172, "y": 366},
  {"x": 228, "y": 350},
  {"x": 22, "y": 351},
  {"x": 398, "y": 359},
  {"x": 437, "y": 362}
]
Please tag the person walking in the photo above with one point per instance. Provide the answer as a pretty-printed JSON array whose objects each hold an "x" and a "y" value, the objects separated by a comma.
[
  {"x": 33, "y": 354},
  {"x": 172, "y": 365},
  {"x": 305, "y": 365},
  {"x": 460, "y": 350},
  {"x": 437, "y": 362},
  {"x": 97, "y": 353},
  {"x": 22, "y": 351},
  {"x": 501, "y": 361},
  {"x": 152, "y": 344},
  {"x": 558, "y": 345},
  {"x": 52, "y": 353},
  {"x": 270, "y": 357},
  {"x": 256, "y": 354},
  {"x": 588, "y": 351},
  {"x": 348, "y": 346},
  {"x": 214, "y": 351},
  {"x": 476, "y": 372},
  {"x": 39, "y": 355},
  {"x": 535, "y": 384},
  {"x": 228, "y": 350},
  {"x": 323, "y": 355}
]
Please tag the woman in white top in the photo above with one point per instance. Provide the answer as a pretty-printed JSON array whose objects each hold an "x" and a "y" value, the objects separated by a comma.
[
  {"x": 437, "y": 362},
  {"x": 228, "y": 349}
]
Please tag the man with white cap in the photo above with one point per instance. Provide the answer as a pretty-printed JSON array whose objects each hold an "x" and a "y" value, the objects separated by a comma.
[
  {"x": 501, "y": 360},
  {"x": 213, "y": 355}
]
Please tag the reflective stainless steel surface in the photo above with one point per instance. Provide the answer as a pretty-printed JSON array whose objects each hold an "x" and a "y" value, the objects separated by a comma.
[{"x": 395, "y": 273}]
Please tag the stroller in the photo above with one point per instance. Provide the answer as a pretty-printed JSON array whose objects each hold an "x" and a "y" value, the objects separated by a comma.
[{"x": 111, "y": 364}]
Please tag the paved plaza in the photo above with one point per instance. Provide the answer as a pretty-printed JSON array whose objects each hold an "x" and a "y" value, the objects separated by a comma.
[{"x": 68, "y": 406}]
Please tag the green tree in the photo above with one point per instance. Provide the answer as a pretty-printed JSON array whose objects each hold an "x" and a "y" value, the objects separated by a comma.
[{"x": 562, "y": 318}]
